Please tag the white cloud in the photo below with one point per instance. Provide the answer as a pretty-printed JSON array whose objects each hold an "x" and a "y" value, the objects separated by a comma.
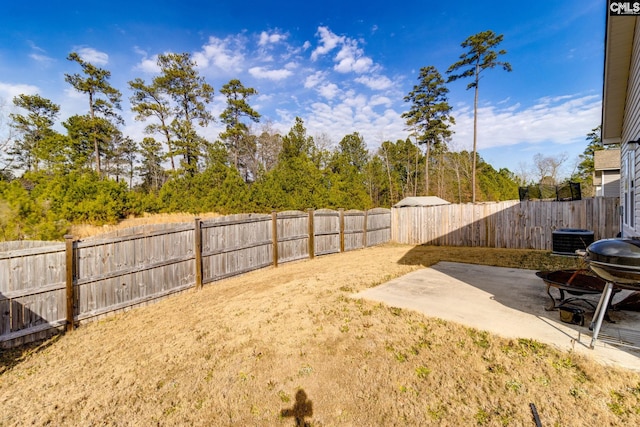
[
  {"x": 329, "y": 90},
  {"x": 559, "y": 120},
  {"x": 351, "y": 58},
  {"x": 43, "y": 59},
  {"x": 265, "y": 73},
  {"x": 8, "y": 91},
  {"x": 291, "y": 65},
  {"x": 328, "y": 42},
  {"x": 356, "y": 114},
  {"x": 223, "y": 54},
  {"x": 34, "y": 46},
  {"x": 93, "y": 56},
  {"x": 72, "y": 103},
  {"x": 71, "y": 93},
  {"x": 375, "y": 82},
  {"x": 148, "y": 65},
  {"x": 314, "y": 79},
  {"x": 380, "y": 100},
  {"x": 266, "y": 38}
]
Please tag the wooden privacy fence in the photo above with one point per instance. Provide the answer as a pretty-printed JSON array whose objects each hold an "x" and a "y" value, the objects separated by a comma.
[
  {"x": 510, "y": 224},
  {"x": 45, "y": 287}
]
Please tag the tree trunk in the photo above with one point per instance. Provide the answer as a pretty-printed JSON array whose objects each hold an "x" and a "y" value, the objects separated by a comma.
[
  {"x": 386, "y": 158},
  {"x": 475, "y": 138},
  {"x": 95, "y": 139},
  {"x": 426, "y": 168}
]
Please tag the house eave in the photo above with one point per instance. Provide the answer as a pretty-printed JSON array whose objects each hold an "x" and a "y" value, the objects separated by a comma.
[{"x": 619, "y": 35}]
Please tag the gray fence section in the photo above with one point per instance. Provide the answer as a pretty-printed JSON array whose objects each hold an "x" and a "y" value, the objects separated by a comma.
[
  {"x": 326, "y": 231},
  {"x": 120, "y": 272},
  {"x": 378, "y": 230},
  {"x": 49, "y": 287},
  {"x": 511, "y": 224},
  {"x": 235, "y": 244},
  {"x": 293, "y": 235},
  {"x": 32, "y": 291}
]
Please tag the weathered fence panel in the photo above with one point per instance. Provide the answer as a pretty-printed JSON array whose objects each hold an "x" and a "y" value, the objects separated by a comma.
[
  {"x": 111, "y": 274},
  {"x": 32, "y": 291},
  {"x": 326, "y": 224},
  {"x": 293, "y": 235},
  {"x": 510, "y": 224},
  {"x": 378, "y": 226},
  {"x": 235, "y": 244},
  {"x": 354, "y": 230}
]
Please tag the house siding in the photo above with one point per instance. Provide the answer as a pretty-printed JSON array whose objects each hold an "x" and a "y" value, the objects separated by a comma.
[
  {"x": 631, "y": 132},
  {"x": 630, "y": 155}
]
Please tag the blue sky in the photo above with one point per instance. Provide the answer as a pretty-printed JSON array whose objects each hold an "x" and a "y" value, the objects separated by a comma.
[{"x": 342, "y": 66}]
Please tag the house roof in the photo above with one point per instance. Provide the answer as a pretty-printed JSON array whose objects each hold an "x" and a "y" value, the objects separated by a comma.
[
  {"x": 617, "y": 61},
  {"x": 421, "y": 201},
  {"x": 606, "y": 159}
]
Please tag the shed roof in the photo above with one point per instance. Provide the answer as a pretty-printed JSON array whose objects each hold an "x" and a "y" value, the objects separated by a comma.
[
  {"x": 606, "y": 159},
  {"x": 421, "y": 201}
]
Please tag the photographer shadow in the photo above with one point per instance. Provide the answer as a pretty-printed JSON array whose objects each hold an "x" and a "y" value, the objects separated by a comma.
[{"x": 301, "y": 409}]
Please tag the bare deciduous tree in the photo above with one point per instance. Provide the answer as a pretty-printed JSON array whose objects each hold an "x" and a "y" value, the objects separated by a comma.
[
  {"x": 6, "y": 139},
  {"x": 548, "y": 167}
]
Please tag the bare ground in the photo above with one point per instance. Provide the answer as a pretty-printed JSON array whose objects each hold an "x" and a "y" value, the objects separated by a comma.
[{"x": 288, "y": 346}]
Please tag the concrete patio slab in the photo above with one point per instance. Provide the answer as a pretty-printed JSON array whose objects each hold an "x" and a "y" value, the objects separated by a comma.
[{"x": 511, "y": 303}]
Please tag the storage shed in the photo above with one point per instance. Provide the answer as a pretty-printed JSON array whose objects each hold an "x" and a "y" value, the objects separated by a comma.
[{"x": 421, "y": 201}]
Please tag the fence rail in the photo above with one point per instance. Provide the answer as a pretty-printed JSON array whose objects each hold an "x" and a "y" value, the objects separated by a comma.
[{"x": 45, "y": 287}]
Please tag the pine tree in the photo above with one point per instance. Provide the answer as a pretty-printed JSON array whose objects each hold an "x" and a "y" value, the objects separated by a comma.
[
  {"x": 479, "y": 57},
  {"x": 190, "y": 93},
  {"x": 95, "y": 84},
  {"x": 36, "y": 143},
  {"x": 150, "y": 101},
  {"x": 236, "y": 132},
  {"x": 430, "y": 115}
]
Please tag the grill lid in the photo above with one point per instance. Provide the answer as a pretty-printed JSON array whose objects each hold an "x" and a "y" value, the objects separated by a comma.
[
  {"x": 622, "y": 252},
  {"x": 616, "y": 260}
]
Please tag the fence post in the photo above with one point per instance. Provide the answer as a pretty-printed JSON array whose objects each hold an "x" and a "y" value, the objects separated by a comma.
[
  {"x": 341, "y": 210},
  {"x": 198, "y": 251},
  {"x": 311, "y": 235},
  {"x": 70, "y": 268},
  {"x": 364, "y": 233},
  {"x": 274, "y": 236}
]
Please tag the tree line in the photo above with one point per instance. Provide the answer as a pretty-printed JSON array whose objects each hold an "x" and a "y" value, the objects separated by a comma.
[{"x": 94, "y": 173}]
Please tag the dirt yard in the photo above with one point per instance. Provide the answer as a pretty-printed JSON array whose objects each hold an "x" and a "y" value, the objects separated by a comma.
[{"x": 288, "y": 346}]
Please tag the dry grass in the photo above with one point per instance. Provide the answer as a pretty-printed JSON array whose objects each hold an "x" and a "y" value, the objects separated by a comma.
[
  {"x": 274, "y": 344},
  {"x": 82, "y": 231}
]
